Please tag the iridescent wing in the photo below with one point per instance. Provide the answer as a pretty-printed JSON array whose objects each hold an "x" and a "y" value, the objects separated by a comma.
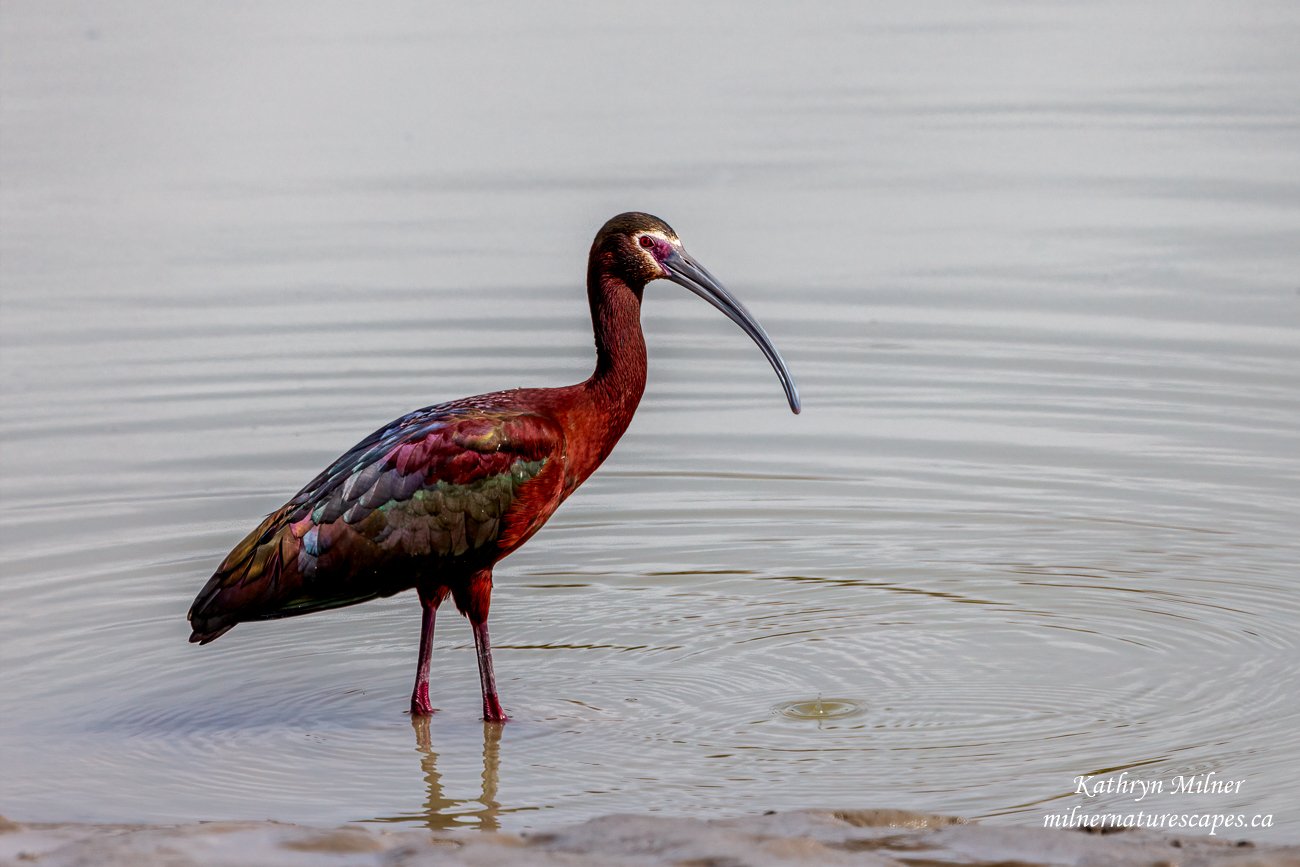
[{"x": 444, "y": 486}]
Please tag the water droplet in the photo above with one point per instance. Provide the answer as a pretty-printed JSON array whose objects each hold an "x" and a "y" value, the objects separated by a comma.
[{"x": 820, "y": 708}]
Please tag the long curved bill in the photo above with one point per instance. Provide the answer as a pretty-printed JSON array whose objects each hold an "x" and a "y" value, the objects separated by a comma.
[{"x": 685, "y": 271}]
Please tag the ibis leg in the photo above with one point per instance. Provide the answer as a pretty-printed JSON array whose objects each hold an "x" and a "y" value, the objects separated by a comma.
[
  {"x": 420, "y": 705},
  {"x": 474, "y": 598},
  {"x": 483, "y": 644}
]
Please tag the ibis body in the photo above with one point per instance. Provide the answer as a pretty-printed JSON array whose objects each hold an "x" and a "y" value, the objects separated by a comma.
[{"x": 435, "y": 499}]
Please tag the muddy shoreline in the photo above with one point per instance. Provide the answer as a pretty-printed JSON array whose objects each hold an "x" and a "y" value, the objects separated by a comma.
[{"x": 870, "y": 837}]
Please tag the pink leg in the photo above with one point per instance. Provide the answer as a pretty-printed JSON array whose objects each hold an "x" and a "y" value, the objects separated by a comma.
[
  {"x": 474, "y": 598},
  {"x": 420, "y": 695},
  {"x": 492, "y": 711}
]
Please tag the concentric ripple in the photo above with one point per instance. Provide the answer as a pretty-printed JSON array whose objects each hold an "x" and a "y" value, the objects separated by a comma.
[{"x": 820, "y": 709}]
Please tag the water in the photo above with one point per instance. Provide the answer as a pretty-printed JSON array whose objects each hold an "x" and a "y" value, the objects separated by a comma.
[{"x": 1037, "y": 272}]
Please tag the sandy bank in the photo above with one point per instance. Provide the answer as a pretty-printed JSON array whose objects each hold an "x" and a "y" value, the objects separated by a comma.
[{"x": 871, "y": 837}]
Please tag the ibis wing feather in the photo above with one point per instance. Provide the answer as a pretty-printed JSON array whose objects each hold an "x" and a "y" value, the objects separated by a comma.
[{"x": 444, "y": 486}]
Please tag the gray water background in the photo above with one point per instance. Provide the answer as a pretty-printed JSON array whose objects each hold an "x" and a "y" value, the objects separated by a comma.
[{"x": 1036, "y": 268}]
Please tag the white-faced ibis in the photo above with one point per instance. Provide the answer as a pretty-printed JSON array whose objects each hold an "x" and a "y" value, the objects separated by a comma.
[{"x": 435, "y": 499}]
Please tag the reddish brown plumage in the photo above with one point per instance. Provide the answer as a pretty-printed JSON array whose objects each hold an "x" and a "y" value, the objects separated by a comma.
[{"x": 435, "y": 499}]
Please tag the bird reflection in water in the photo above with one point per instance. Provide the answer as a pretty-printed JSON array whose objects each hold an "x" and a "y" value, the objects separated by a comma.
[{"x": 442, "y": 812}]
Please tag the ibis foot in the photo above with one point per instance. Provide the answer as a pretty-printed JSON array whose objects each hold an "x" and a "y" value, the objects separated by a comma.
[
  {"x": 420, "y": 705},
  {"x": 492, "y": 711}
]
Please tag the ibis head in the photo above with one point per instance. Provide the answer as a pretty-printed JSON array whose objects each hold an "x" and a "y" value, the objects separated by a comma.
[{"x": 639, "y": 248}]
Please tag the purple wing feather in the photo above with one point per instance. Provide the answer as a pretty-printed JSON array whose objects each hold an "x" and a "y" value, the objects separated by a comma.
[{"x": 446, "y": 488}]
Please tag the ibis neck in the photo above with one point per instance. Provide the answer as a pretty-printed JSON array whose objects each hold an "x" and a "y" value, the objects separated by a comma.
[
  {"x": 605, "y": 403},
  {"x": 620, "y": 372}
]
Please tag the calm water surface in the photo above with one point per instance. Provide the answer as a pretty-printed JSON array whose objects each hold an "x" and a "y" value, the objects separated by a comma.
[{"x": 1036, "y": 269}]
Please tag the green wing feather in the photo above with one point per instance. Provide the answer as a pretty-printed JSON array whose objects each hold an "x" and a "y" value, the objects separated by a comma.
[{"x": 437, "y": 494}]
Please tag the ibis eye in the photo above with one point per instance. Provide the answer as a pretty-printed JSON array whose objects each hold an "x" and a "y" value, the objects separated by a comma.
[{"x": 647, "y": 241}]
